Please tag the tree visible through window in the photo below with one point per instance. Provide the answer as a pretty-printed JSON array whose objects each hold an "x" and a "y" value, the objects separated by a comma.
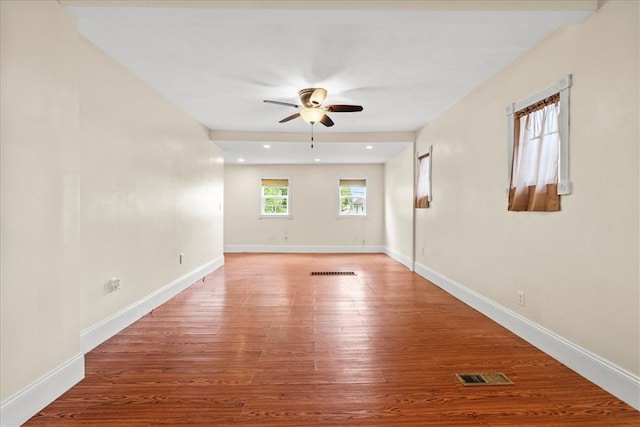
[
  {"x": 275, "y": 197},
  {"x": 353, "y": 197}
]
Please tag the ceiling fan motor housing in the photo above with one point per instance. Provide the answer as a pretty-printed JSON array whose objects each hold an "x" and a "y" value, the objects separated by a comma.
[{"x": 312, "y": 97}]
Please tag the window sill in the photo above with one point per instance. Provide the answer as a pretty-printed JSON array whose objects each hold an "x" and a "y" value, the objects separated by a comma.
[{"x": 275, "y": 217}]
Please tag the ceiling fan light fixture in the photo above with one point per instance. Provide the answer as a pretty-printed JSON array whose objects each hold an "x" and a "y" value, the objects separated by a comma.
[
  {"x": 311, "y": 115},
  {"x": 318, "y": 96}
]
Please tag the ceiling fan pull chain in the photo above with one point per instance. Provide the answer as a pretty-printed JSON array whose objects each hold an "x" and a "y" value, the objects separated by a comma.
[{"x": 312, "y": 135}]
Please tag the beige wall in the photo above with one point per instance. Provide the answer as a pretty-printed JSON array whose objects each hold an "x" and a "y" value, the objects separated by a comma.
[
  {"x": 314, "y": 201},
  {"x": 151, "y": 188},
  {"x": 398, "y": 206},
  {"x": 579, "y": 267},
  {"x": 39, "y": 297},
  {"x": 101, "y": 177}
]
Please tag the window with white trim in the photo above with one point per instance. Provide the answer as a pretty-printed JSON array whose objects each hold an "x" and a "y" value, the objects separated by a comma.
[
  {"x": 275, "y": 197},
  {"x": 538, "y": 149},
  {"x": 352, "y": 197}
]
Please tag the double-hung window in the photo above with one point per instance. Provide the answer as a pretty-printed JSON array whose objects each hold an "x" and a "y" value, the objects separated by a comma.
[
  {"x": 353, "y": 197},
  {"x": 539, "y": 150},
  {"x": 275, "y": 198}
]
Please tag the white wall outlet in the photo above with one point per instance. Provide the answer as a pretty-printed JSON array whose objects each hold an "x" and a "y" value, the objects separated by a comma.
[
  {"x": 520, "y": 298},
  {"x": 181, "y": 258},
  {"x": 113, "y": 284}
]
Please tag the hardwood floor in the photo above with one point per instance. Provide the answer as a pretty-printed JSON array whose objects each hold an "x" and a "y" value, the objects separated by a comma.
[{"x": 262, "y": 342}]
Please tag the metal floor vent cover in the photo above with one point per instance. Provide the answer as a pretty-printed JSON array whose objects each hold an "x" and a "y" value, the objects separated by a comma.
[
  {"x": 333, "y": 273},
  {"x": 484, "y": 378}
]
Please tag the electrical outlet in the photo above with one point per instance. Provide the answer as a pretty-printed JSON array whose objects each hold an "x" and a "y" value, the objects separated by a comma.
[
  {"x": 521, "y": 298},
  {"x": 113, "y": 284}
]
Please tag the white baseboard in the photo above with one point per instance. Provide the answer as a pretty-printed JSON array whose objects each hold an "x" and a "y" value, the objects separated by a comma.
[
  {"x": 612, "y": 378},
  {"x": 28, "y": 402},
  {"x": 302, "y": 249},
  {"x": 404, "y": 260},
  {"x": 17, "y": 409},
  {"x": 102, "y": 331}
]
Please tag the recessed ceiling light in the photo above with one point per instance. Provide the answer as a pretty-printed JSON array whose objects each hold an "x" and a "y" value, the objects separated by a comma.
[
  {"x": 369, "y": 147},
  {"x": 266, "y": 146},
  {"x": 241, "y": 160},
  {"x": 316, "y": 160}
]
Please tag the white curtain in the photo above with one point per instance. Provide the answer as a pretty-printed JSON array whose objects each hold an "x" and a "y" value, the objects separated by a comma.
[
  {"x": 534, "y": 176},
  {"x": 423, "y": 184}
]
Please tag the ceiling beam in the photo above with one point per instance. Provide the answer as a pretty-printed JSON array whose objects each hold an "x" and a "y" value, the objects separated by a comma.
[
  {"x": 234, "y": 136},
  {"x": 423, "y": 5}
]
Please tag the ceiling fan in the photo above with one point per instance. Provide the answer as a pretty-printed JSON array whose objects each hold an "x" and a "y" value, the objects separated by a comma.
[{"x": 312, "y": 110}]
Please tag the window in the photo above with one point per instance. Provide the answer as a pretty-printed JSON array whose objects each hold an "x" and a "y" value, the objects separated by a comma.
[
  {"x": 353, "y": 197},
  {"x": 538, "y": 150},
  {"x": 423, "y": 180},
  {"x": 275, "y": 199}
]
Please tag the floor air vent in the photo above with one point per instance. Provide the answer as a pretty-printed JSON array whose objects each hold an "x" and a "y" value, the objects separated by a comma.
[
  {"x": 333, "y": 273},
  {"x": 484, "y": 378}
]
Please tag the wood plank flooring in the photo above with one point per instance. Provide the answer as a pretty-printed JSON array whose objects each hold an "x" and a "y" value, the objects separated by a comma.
[{"x": 261, "y": 342}]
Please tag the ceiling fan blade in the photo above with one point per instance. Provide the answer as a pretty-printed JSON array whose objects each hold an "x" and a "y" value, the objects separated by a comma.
[
  {"x": 343, "y": 108},
  {"x": 326, "y": 120},
  {"x": 288, "y": 104},
  {"x": 291, "y": 117}
]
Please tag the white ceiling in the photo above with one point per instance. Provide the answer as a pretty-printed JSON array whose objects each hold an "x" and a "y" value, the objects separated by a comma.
[{"x": 405, "y": 62}]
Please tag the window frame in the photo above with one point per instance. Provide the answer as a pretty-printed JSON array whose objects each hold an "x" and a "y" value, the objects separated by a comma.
[
  {"x": 264, "y": 214},
  {"x": 340, "y": 197},
  {"x": 562, "y": 87}
]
